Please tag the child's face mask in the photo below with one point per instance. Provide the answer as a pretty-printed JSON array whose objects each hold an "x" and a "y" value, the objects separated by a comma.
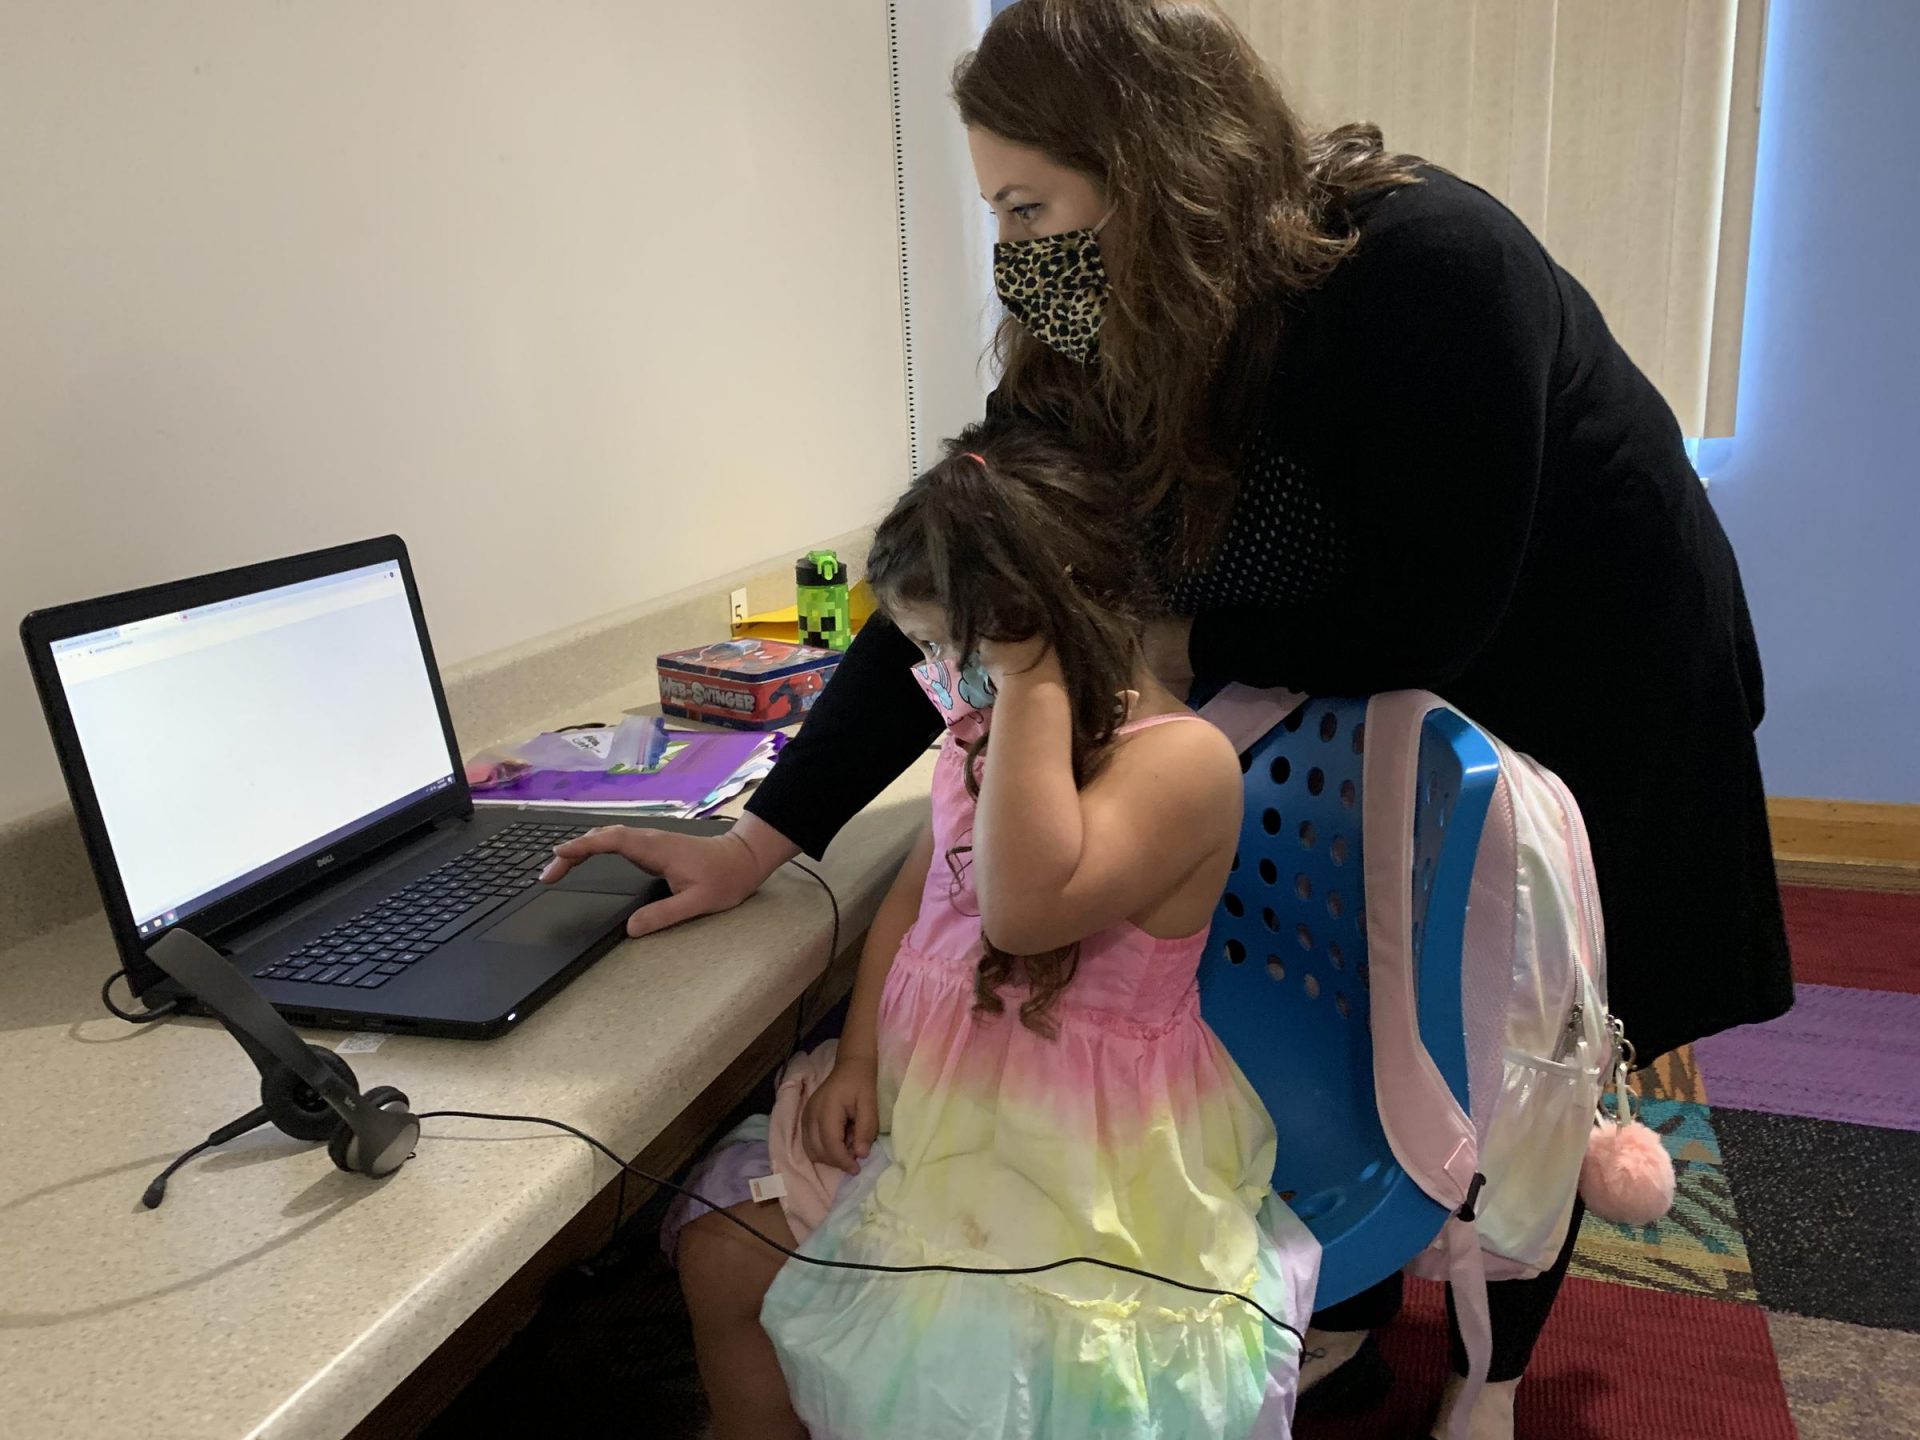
[{"x": 962, "y": 693}]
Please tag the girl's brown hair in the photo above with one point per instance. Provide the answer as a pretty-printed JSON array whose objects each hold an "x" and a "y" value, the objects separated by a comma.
[
  {"x": 1221, "y": 203},
  {"x": 1015, "y": 535}
]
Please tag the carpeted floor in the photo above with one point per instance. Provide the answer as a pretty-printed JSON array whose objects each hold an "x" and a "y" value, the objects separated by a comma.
[{"x": 1781, "y": 1297}]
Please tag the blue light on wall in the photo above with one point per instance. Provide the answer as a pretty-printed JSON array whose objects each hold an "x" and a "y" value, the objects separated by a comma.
[{"x": 1821, "y": 493}]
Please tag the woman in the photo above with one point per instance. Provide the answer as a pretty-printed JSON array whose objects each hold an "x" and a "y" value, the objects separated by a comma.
[{"x": 1382, "y": 441}]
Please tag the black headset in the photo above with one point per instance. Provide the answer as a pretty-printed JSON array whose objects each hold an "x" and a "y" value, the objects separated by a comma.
[{"x": 305, "y": 1091}]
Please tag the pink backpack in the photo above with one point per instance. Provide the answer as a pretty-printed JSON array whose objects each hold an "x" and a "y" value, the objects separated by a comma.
[{"x": 1540, "y": 1044}]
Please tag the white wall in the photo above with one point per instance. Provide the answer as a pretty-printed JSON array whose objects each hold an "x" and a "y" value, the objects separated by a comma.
[{"x": 590, "y": 301}]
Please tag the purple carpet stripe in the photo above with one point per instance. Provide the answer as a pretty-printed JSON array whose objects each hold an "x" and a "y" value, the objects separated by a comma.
[{"x": 1840, "y": 1054}]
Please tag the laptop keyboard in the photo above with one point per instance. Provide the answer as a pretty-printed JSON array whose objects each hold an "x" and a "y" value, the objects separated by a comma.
[{"x": 383, "y": 940}]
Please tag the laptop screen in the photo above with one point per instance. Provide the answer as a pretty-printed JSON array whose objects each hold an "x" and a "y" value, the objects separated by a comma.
[{"x": 228, "y": 742}]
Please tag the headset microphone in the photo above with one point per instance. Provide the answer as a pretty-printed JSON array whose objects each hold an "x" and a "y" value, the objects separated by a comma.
[{"x": 308, "y": 1092}]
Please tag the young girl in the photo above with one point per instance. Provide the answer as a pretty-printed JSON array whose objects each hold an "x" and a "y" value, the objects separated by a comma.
[{"x": 1024, "y": 1075}]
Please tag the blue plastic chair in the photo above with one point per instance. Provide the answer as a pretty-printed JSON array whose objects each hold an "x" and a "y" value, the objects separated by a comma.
[{"x": 1284, "y": 978}]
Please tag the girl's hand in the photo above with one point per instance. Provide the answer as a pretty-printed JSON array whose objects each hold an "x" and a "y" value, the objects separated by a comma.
[
  {"x": 843, "y": 1115},
  {"x": 1017, "y": 660}
]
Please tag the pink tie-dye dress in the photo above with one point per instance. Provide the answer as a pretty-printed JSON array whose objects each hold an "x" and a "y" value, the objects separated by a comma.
[{"x": 1129, "y": 1135}]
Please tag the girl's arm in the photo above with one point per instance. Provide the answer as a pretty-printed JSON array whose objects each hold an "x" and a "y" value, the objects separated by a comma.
[
  {"x": 843, "y": 1114},
  {"x": 1053, "y": 865},
  {"x": 891, "y": 922}
]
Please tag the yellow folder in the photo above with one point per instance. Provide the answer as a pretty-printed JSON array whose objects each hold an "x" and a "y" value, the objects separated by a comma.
[{"x": 785, "y": 624}]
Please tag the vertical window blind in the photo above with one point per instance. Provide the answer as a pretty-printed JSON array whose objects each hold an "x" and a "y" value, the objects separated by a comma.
[{"x": 1622, "y": 132}]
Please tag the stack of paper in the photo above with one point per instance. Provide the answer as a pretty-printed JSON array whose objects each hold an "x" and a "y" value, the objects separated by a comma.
[{"x": 700, "y": 771}]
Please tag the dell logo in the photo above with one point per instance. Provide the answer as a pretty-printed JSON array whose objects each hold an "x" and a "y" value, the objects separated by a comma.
[{"x": 323, "y": 862}]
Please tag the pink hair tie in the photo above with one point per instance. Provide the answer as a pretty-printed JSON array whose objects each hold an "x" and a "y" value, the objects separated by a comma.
[{"x": 981, "y": 458}]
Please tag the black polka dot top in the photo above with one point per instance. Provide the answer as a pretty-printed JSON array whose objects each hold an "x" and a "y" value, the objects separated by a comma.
[{"x": 1285, "y": 544}]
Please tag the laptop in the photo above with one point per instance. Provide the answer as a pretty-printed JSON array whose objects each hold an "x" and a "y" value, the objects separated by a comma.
[{"x": 264, "y": 757}]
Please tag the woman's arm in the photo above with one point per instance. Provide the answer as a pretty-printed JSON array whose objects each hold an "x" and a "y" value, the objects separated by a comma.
[
  {"x": 1052, "y": 864},
  {"x": 1418, "y": 382},
  {"x": 868, "y": 726}
]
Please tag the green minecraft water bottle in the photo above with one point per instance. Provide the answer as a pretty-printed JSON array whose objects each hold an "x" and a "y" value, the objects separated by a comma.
[{"x": 820, "y": 583}]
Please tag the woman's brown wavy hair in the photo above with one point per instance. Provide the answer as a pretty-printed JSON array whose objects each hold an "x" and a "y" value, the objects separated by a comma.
[
  {"x": 1221, "y": 203},
  {"x": 1014, "y": 534}
]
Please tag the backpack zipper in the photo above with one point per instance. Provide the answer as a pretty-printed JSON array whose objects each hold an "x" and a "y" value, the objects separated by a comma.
[
  {"x": 1590, "y": 914},
  {"x": 1570, "y": 1036},
  {"x": 1589, "y": 903},
  {"x": 1590, "y": 899}
]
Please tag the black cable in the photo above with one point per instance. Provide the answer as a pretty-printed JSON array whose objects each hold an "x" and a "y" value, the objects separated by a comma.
[
  {"x": 833, "y": 954},
  {"x": 799, "y": 1037},
  {"x": 157, "y": 1188},
  {"x": 143, "y": 1017},
  {"x": 825, "y": 1264},
  {"x": 596, "y": 1261}
]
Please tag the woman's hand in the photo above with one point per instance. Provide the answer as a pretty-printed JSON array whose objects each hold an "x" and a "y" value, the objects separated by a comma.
[
  {"x": 1166, "y": 645},
  {"x": 707, "y": 873},
  {"x": 843, "y": 1115}
]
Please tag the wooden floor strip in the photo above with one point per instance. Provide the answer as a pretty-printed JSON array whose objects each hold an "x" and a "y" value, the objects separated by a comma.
[{"x": 1846, "y": 844}]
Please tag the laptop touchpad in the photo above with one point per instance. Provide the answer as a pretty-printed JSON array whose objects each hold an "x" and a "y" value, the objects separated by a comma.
[
  {"x": 562, "y": 917},
  {"x": 611, "y": 875}
]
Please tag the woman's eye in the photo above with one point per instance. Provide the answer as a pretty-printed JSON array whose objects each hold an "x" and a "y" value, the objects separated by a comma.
[{"x": 1025, "y": 213}]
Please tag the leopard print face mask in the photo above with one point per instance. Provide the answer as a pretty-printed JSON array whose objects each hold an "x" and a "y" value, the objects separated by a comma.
[{"x": 1056, "y": 286}]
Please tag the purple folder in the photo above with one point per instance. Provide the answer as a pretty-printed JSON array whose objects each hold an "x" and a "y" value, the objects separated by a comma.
[{"x": 707, "y": 762}]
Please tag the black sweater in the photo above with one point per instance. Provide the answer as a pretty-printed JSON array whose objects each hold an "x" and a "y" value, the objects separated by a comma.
[{"x": 1459, "y": 482}]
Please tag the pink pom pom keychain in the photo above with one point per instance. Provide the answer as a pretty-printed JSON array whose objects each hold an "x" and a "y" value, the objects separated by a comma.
[{"x": 1627, "y": 1175}]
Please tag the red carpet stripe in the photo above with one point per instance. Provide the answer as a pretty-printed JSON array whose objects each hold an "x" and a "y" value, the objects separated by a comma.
[
  {"x": 1616, "y": 1363},
  {"x": 1860, "y": 938}
]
